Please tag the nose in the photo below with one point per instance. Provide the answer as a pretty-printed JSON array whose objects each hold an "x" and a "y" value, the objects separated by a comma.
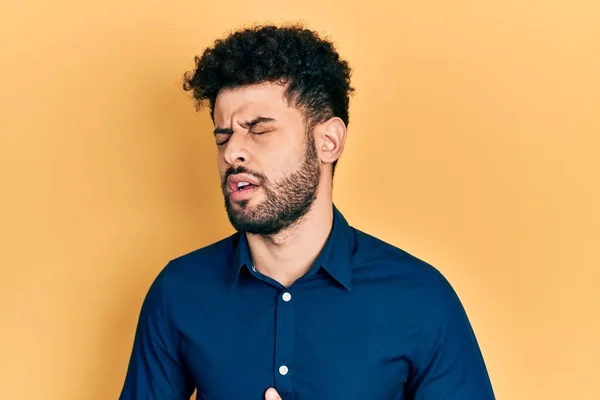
[{"x": 236, "y": 151}]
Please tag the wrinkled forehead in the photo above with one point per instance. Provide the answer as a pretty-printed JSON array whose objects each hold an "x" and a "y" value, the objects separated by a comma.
[{"x": 265, "y": 99}]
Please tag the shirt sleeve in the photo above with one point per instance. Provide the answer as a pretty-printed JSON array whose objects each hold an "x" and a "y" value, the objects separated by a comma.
[
  {"x": 450, "y": 364},
  {"x": 156, "y": 371}
]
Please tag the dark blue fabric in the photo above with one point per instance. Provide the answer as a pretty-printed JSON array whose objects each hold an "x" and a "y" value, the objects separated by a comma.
[{"x": 368, "y": 321}]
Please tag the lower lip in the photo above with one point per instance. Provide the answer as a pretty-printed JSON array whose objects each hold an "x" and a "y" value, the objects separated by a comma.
[{"x": 243, "y": 194}]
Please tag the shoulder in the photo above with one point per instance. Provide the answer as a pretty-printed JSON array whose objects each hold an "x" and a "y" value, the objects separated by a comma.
[
  {"x": 378, "y": 254},
  {"x": 413, "y": 278},
  {"x": 203, "y": 264}
]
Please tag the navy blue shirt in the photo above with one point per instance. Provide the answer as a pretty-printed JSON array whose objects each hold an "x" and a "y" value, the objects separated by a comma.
[{"x": 367, "y": 322}]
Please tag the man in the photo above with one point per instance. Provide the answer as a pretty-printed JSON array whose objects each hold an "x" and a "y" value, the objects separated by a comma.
[{"x": 297, "y": 304}]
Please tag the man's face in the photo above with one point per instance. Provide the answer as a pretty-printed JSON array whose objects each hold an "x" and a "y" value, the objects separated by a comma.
[{"x": 268, "y": 164}]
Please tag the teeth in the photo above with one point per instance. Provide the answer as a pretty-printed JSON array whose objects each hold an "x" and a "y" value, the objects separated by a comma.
[{"x": 242, "y": 184}]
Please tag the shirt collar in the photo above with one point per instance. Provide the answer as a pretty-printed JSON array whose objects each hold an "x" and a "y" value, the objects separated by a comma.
[{"x": 335, "y": 258}]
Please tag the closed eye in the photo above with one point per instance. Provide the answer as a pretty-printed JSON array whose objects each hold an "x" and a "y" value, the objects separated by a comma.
[
  {"x": 256, "y": 128},
  {"x": 222, "y": 139},
  {"x": 260, "y": 125},
  {"x": 260, "y": 131}
]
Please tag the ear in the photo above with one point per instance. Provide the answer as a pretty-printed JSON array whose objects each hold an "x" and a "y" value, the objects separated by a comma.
[{"x": 330, "y": 137}]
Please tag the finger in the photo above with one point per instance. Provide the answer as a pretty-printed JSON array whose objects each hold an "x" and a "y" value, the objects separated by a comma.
[{"x": 272, "y": 394}]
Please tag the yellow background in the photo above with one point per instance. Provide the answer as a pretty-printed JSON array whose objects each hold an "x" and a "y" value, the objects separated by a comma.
[{"x": 474, "y": 144}]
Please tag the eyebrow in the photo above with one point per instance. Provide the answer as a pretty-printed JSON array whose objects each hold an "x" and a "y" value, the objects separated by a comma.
[{"x": 248, "y": 124}]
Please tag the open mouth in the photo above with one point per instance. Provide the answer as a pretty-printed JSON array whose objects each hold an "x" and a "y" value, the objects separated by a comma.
[{"x": 242, "y": 186}]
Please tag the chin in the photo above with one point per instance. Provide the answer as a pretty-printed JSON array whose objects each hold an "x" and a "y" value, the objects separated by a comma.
[
  {"x": 258, "y": 227},
  {"x": 245, "y": 218},
  {"x": 243, "y": 206},
  {"x": 241, "y": 210}
]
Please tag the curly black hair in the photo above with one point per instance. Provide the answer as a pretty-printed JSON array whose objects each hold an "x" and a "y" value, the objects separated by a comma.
[{"x": 317, "y": 80}]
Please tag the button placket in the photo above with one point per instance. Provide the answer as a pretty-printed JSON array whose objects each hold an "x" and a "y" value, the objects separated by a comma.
[{"x": 284, "y": 343}]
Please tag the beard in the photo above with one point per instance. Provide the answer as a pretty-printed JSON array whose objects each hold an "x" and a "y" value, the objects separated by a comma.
[{"x": 287, "y": 200}]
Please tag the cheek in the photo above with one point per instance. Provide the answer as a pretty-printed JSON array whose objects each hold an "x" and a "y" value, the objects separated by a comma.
[
  {"x": 221, "y": 165},
  {"x": 282, "y": 164}
]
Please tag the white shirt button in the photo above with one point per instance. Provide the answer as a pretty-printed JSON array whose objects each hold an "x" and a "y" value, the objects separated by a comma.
[
  {"x": 283, "y": 370},
  {"x": 286, "y": 296}
]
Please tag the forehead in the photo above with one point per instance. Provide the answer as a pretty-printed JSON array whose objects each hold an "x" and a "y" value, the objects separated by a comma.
[{"x": 265, "y": 99}]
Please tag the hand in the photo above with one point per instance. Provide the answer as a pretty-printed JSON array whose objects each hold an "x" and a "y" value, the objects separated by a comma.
[{"x": 272, "y": 394}]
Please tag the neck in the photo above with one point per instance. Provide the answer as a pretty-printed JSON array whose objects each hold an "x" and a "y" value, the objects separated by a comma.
[{"x": 288, "y": 255}]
